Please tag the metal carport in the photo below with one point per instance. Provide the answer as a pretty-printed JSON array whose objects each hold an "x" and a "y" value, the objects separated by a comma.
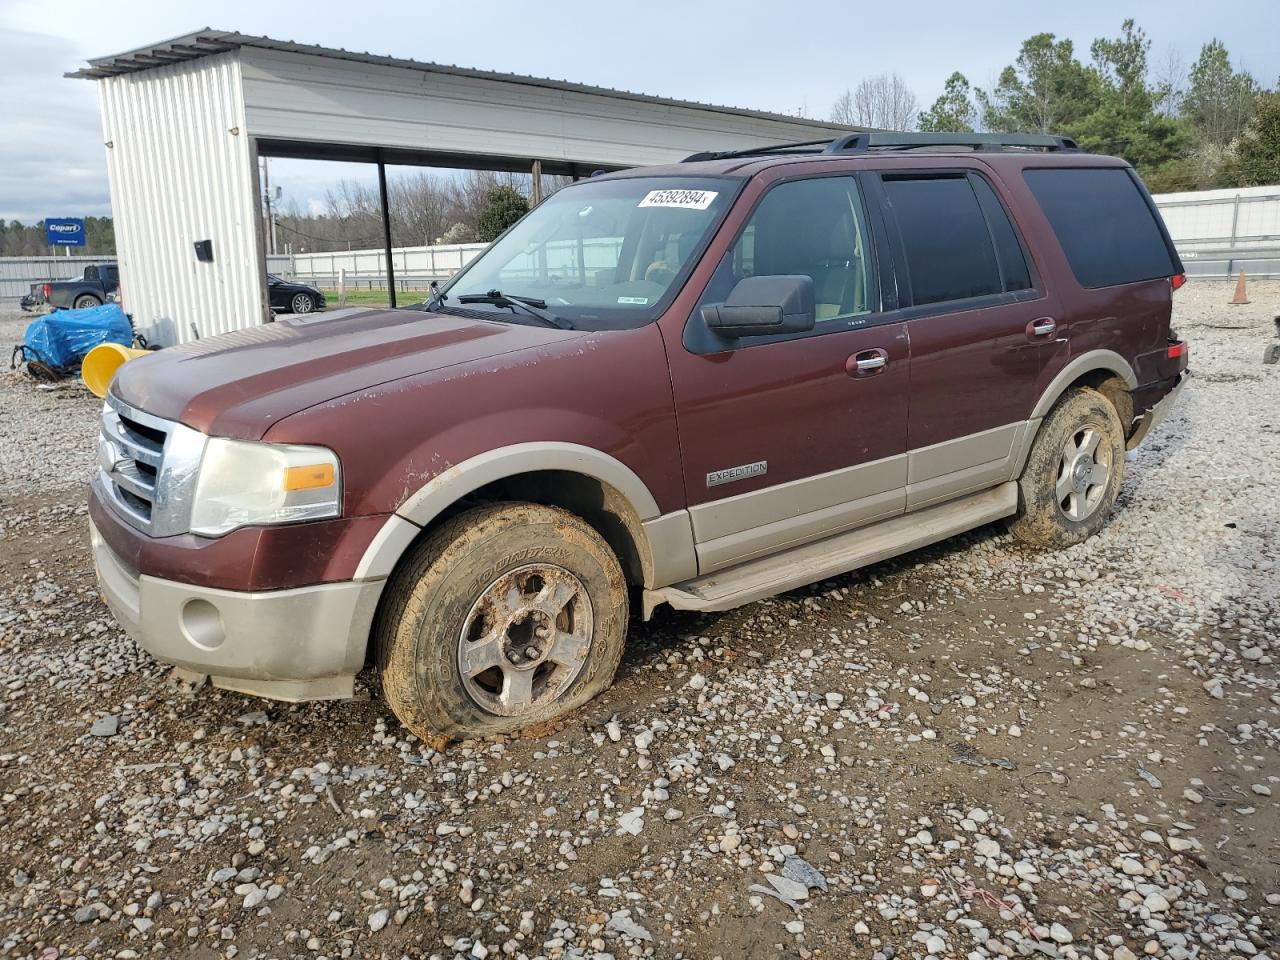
[{"x": 185, "y": 121}]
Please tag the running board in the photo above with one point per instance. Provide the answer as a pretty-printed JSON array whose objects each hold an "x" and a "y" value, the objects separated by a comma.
[{"x": 767, "y": 576}]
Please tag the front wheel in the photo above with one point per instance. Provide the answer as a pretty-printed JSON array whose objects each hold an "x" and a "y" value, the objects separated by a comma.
[
  {"x": 508, "y": 616},
  {"x": 302, "y": 303},
  {"x": 1073, "y": 472}
]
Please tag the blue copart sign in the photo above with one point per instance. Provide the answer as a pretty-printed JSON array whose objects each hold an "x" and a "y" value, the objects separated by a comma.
[{"x": 64, "y": 232}]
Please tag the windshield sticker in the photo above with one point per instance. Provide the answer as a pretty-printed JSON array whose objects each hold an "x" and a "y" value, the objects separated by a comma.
[
  {"x": 688, "y": 199},
  {"x": 640, "y": 301}
]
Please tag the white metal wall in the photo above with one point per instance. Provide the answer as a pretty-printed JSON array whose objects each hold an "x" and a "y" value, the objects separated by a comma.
[
  {"x": 294, "y": 96},
  {"x": 180, "y": 164}
]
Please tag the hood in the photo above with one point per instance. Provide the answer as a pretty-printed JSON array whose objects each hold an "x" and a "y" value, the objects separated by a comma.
[{"x": 239, "y": 384}]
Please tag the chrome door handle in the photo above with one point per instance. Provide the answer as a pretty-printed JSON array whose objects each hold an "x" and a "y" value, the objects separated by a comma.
[
  {"x": 866, "y": 363},
  {"x": 1043, "y": 327}
]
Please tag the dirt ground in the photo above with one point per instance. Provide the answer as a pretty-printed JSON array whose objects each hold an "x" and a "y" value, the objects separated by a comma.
[{"x": 975, "y": 750}]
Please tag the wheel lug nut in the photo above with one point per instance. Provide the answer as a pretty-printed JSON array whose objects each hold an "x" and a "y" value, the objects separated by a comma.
[
  {"x": 531, "y": 652},
  {"x": 543, "y": 632}
]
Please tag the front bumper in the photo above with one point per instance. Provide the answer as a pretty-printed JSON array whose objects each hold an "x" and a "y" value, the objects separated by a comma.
[
  {"x": 306, "y": 643},
  {"x": 1156, "y": 414}
]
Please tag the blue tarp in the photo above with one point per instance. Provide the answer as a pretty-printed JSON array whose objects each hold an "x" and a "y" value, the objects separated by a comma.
[{"x": 62, "y": 338}]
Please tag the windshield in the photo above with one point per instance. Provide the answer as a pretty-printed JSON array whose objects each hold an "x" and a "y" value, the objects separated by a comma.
[{"x": 602, "y": 254}]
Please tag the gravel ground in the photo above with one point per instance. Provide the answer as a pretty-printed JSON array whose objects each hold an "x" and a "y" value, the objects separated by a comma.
[{"x": 972, "y": 751}]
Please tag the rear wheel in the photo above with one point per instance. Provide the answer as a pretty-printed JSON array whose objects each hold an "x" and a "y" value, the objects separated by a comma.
[
  {"x": 302, "y": 303},
  {"x": 1073, "y": 473},
  {"x": 85, "y": 301},
  {"x": 508, "y": 616}
]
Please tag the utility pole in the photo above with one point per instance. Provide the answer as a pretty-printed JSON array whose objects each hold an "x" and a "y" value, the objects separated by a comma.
[{"x": 270, "y": 237}]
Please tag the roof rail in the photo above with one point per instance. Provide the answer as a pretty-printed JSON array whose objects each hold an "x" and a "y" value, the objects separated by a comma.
[
  {"x": 859, "y": 142},
  {"x": 799, "y": 146},
  {"x": 866, "y": 141}
]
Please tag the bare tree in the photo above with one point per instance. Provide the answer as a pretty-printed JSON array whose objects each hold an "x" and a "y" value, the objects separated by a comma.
[
  {"x": 883, "y": 102},
  {"x": 1170, "y": 81},
  {"x": 425, "y": 206}
]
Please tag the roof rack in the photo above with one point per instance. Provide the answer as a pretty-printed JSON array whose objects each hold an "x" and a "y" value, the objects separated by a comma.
[{"x": 864, "y": 142}]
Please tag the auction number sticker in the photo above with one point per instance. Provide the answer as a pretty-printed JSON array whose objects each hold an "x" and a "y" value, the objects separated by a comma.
[{"x": 688, "y": 199}]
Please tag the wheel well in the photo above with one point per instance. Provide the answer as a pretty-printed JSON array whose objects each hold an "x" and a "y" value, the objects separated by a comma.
[
  {"x": 607, "y": 511},
  {"x": 1110, "y": 386}
]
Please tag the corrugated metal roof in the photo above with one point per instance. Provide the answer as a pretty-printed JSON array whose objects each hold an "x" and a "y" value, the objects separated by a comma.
[{"x": 203, "y": 43}]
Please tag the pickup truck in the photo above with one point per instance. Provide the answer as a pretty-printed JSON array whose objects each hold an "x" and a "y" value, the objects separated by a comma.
[
  {"x": 695, "y": 385},
  {"x": 91, "y": 289}
]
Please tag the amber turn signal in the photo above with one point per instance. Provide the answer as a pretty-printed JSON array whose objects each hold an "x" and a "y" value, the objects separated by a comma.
[{"x": 309, "y": 477}]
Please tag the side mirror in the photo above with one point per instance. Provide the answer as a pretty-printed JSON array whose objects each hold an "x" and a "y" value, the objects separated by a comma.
[{"x": 762, "y": 306}]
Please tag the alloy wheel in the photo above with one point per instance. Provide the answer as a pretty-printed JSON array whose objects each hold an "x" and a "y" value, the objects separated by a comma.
[
  {"x": 1084, "y": 471},
  {"x": 525, "y": 639}
]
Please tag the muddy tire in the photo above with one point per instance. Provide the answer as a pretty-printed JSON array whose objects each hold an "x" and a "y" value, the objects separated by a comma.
[
  {"x": 507, "y": 616},
  {"x": 1073, "y": 472}
]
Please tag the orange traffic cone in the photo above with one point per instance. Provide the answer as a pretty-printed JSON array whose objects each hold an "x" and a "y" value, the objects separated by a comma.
[{"x": 1240, "y": 296}]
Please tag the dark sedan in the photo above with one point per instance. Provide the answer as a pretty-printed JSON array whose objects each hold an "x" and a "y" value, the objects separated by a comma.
[{"x": 288, "y": 297}]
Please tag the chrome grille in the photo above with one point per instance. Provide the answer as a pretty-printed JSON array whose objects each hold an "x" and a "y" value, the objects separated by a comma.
[{"x": 147, "y": 467}]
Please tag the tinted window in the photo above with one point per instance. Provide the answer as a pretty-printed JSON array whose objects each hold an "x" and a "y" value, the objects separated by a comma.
[
  {"x": 948, "y": 248},
  {"x": 816, "y": 228},
  {"x": 1009, "y": 253},
  {"x": 1104, "y": 225}
]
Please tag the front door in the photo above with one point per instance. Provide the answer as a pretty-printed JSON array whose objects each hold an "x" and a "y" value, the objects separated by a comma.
[
  {"x": 980, "y": 326},
  {"x": 791, "y": 438}
]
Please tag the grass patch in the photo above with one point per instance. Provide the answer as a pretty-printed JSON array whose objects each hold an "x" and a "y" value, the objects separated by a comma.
[{"x": 374, "y": 298}]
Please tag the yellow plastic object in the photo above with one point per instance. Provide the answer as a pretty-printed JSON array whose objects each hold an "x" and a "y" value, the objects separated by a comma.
[{"x": 101, "y": 363}]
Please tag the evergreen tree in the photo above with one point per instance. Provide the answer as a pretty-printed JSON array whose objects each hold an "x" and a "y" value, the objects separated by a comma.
[
  {"x": 1219, "y": 100},
  {"x": 502, "y": 206},
  {"x": 1257, "y": 157},
  {"x": 953, "y": 112}
]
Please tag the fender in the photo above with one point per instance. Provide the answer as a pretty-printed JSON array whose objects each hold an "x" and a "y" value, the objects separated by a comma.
[
  {"x": 1078, "y": 367},
  {"x": 449, "y": 486}
]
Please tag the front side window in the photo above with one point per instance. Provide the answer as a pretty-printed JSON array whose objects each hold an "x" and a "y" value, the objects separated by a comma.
[
  {"x": 599, "y": 255},
  {"x": 947, "y": 246},
  {"x": 815, "y": 228}
]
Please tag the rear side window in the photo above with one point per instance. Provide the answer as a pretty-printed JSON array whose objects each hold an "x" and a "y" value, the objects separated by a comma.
[
  {"x": 1103, "y": 223},
  {"x": 1009, "y": 253},
  {"x": 947, "y": 246}
]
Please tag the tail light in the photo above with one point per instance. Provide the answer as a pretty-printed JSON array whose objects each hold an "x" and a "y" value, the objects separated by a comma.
[
  {"x": 1177, "y": 350},
  {"x": 1177, "y": 280},
  {"x": 48, "y": 291}
]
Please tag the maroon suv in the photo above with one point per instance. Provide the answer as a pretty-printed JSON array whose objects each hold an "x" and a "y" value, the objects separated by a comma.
[{"x": 702, "y": 383}]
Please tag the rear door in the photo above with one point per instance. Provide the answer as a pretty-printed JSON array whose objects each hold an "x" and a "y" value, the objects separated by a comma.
[
  {"x": 979, "y": 322},
  {"x": 789, "y": 438}
]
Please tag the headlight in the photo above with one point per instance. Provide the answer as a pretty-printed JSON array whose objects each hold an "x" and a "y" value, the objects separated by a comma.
[{"x": 244, "y": 483}]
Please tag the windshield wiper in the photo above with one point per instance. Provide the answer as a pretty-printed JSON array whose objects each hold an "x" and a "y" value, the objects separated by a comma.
[{"x": 531, "y": 306}]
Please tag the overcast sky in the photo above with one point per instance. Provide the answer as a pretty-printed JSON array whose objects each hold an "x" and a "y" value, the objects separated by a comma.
[{"x": 780, "y": 56}]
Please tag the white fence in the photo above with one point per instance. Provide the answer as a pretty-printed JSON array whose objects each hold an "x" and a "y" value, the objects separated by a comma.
[
  {"x": 415, "y": 267},
  {"x": 17, "y": 274},
  {"x": 1220, "y": 232},
  {"x": 1217, "y": 233}
]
